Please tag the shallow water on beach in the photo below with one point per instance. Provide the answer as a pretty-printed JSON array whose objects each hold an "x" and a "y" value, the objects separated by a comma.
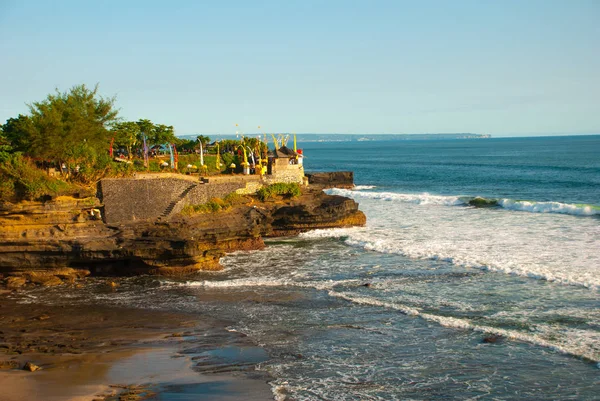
[
  {"x": 416, "y": 332},
  {"x": 400, "y": 309}
]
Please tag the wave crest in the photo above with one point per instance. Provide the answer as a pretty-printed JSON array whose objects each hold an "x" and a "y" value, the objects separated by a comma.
[
  {"x": 577, "y": 348},
  {"x": 421, "y": 199},
  {"x": 549, "y": 207},
  {"x": 476, "y": 201}
]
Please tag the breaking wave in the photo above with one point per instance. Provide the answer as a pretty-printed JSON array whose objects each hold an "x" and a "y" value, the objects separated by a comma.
[
  {"x": 475, "y": 201},
  {"x": 577, "y": 343},
  {"x": 550, "y": 207},
  {"x": 575, "y": 348},
  {"x": 421, "y": 199},
  {"x": 264, "y": 282},
  {"x": 386, "y": 243}
]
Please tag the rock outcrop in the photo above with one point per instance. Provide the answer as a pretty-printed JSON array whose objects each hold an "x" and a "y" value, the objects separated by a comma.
[
  {"x": 316, "y": 210},
  {"x": 335, "y": 179},
  {"x": 59, "y": 241}
]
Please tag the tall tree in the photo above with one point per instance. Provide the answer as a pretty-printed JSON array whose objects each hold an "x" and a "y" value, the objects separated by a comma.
[
  {"x": 157, "y": 133},
  {"x": 70, "y": 126},
  {"x": 203, "y": 139},
  {"x": 5, "y": 147},
  {"x": 127, "y": 135},
  {"x": 16, "y": 132},
  {"x": 163, "y": 134},
  {"x": 146, "y": 128}
]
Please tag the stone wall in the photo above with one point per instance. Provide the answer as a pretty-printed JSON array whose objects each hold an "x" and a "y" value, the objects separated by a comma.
[
  {"x": 203, "y": 192},
  {"x": 152, "y": 196},
  {"x": 282, "y": 171},
  {"x": 127, "y": 199},
  {"x": 250, "y": 188}
]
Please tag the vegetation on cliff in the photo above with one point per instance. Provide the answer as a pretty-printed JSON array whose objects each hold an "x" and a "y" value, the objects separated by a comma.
[
  {"x": 20, "y": 178},
  {"x": 216, "y": 204},
  {"x": 269, "y": 192},
  {"x": 71, "y": 139},
  {"x": 290, "y": 190}
]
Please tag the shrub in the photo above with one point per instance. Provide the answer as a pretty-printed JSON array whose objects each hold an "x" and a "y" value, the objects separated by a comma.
[
  {"x": 7, "y": 188},
  {"x": 235, "y": 199},
  {"x": 290, "y": 190},
  {"x": 154, "y": 166},
  {"x": 21, "y": 179},
  {"x": 227, "y": 159}
]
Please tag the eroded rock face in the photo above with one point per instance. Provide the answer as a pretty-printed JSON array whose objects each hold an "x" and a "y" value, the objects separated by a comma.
[
  {"x": 335, "y": 179},
  {"x": 316, "y": 210},
  {"x": 38, "y": 241}
]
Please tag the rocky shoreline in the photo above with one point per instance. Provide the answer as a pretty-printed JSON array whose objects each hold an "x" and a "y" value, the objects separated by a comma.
[
  {"x": 87, "y": 351},
  {"x": 62, "y": 240}
]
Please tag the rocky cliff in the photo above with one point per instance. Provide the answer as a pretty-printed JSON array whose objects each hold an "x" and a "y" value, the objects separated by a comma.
[
  {"x": 63, "y": 239},
  {"x": 334, "y": 179}
]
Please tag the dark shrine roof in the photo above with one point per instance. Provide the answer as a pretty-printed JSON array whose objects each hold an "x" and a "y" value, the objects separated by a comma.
[{"x": 284, "y": 151}]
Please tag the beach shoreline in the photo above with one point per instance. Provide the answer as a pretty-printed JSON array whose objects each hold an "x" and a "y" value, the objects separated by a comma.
[
  {"x": 89, "y": 351},
  {"x": 97, "y": 352}
]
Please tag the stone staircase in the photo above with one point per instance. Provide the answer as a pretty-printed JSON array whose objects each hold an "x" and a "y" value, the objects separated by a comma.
[{"x": 173, "y": 204}]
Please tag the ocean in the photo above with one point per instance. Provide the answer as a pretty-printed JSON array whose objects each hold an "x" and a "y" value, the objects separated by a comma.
[{"x": 434, "y": 298}]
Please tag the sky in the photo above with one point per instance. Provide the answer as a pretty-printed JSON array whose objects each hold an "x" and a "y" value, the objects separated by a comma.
[{"x": 506, "y": 68}]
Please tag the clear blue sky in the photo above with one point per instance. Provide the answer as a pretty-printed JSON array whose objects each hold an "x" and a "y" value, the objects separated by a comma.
[{"x": 499, "y": 67}]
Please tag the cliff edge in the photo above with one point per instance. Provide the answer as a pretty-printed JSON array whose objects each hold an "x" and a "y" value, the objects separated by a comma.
[{"x": 63, "y": 239}]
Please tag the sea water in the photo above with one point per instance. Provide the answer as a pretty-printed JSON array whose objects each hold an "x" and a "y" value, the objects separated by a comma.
[{"x": 401, "y": 309}]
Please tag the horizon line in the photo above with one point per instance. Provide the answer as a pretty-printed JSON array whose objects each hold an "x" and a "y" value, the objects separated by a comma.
[{"x": 503, "y": 135}]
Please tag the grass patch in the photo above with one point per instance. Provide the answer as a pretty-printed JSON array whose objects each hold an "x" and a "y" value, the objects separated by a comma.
[
  {"x": 216, "y": 205},
  {"x": 194, "y": 160},
  {"x": 235, "y": 199},
  {"x": 290, "y": 190},
  {"x": 212, "y": 206}
]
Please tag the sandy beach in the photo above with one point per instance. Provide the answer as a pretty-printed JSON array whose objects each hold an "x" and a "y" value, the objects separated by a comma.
[{"x": 91, "y": 352}]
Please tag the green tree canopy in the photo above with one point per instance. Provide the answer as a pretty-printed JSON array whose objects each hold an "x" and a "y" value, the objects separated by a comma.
[
  {"x": 203, "y": 139},
  {"x": 16, "y": 132},
  {"x": 157, "y": 133},
  {"x": 127, "y": 135},
  {"x": 186, "y": 144},
  {"x": 70, "y": 126},
  {"x": 163, "y": 134},
  {"x": 5, "y": 147}
]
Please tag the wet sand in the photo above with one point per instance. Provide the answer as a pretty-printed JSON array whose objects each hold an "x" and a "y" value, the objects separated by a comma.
[{"x": 92, "y": 352}]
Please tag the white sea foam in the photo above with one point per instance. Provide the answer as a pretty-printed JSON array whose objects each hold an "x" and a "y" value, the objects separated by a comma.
[
  {"x": 420, "y": 199},
  {"x": 577, "y": 343},
  {"x": 329, "y": 233},
  {"x": 461, "y": 200},
  {"x": 540, "y": 246},
  {"x": 242, "y": 282},
  {"x": 266, "y": 282},
  {"x": 279, "y": 392},
  {"x": 363, "y": 187},
  {"x": 549, "y": 207},
  {"x": 473, "y": 258}
]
